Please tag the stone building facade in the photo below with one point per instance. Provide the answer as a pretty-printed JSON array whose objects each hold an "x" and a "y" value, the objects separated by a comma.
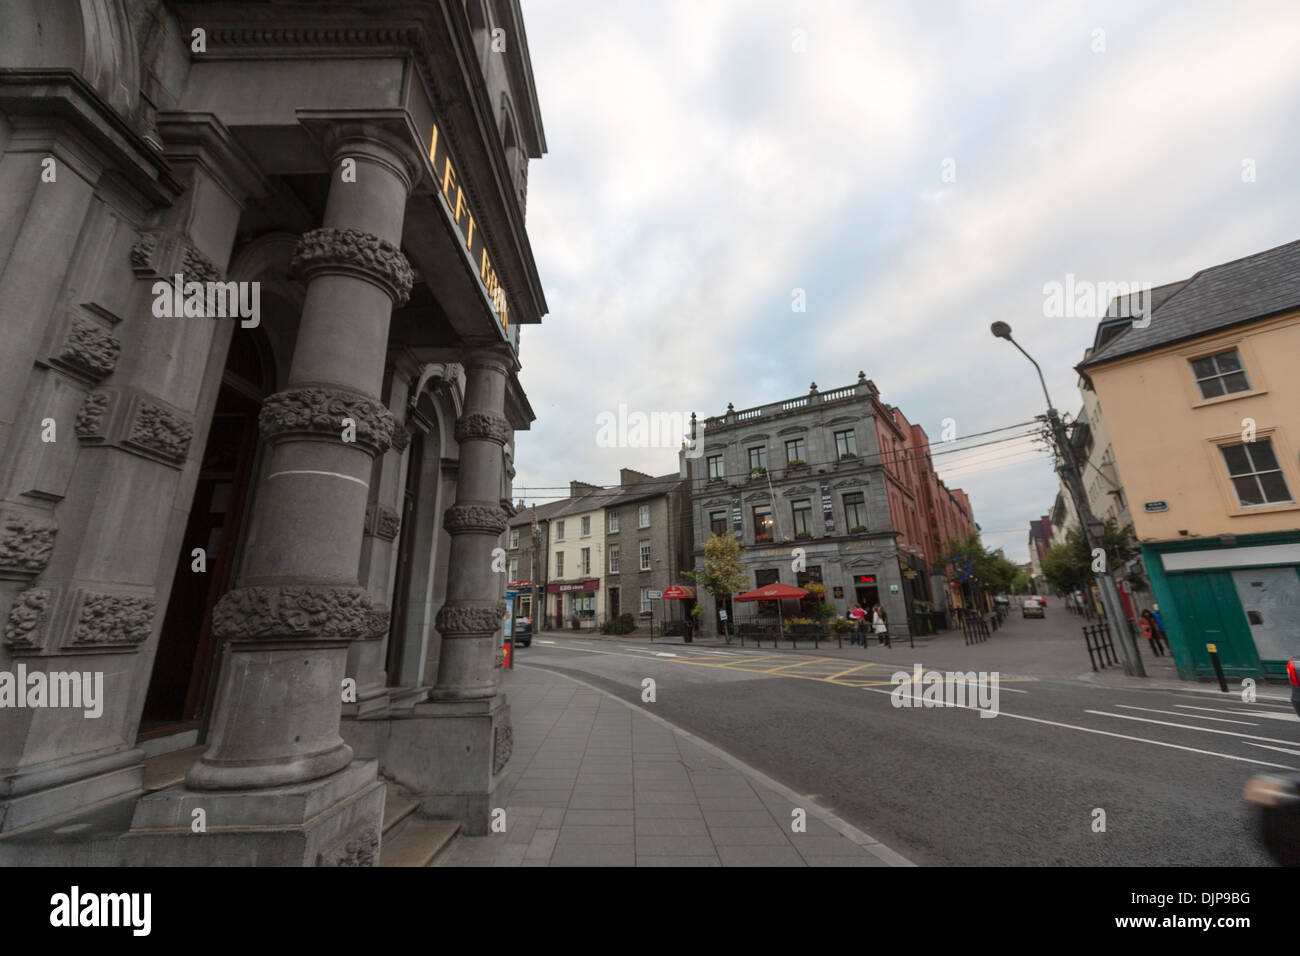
[
  {"x": 269, "y": 535},
  {"x": 839, "y": 475}
]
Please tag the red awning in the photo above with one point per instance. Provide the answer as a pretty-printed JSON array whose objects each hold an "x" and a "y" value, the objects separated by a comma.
[
  {"x": 677, "y": 592},
  {"x": 772, "y": 592}
]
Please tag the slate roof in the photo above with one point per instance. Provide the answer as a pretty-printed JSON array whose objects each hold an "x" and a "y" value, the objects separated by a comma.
[{"x": 1258, "y": 286}]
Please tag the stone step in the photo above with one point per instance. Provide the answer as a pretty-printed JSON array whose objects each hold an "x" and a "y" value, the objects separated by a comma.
[
  {"x": 167, "y": 770},
  {"x": 417, "y": 842},
  {"x": 398, "y": 805}
]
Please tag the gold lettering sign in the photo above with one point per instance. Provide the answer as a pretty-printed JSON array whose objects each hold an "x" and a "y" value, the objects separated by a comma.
[{"x": 463, "y": 217}]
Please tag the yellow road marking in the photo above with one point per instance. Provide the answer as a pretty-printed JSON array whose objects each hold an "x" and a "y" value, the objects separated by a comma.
[
  {"x": 851, "y": 670},
  {"x": 814, "y": 660}
]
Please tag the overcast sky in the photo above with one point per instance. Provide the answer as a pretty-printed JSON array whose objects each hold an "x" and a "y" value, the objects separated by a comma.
[{"x": 919, "y": 170}]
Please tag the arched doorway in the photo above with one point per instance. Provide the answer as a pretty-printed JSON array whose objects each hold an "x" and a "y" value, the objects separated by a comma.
[{"x": 185, "y": 664}]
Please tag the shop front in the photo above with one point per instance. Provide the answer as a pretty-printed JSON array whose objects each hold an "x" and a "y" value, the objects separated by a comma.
[
  {"x": 575, "y": 603},
  {"x": 1241, "y": 595}
]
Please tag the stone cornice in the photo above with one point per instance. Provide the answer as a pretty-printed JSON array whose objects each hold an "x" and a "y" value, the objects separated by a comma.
[{"x": 51, "y": 97}]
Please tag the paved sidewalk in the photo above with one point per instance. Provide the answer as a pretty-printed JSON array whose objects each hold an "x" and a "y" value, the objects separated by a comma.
[{"x": 594, "y": 781}]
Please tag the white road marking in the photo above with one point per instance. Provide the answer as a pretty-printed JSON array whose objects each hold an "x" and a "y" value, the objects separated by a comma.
[
  {"x": 662, "y": 654},
  {"x": 1244, "y": 713},
  {"x": 1110, "y": 733},
  {"x": 1204, "y": 730},
  {"x": 1267, "y": 747},
  {"x": 545, "y": 642},
  {"x": 1179, "y": 713}
]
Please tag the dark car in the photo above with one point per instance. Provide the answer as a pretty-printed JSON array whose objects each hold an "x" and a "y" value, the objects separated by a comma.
[{"x": 523, "y": 632}]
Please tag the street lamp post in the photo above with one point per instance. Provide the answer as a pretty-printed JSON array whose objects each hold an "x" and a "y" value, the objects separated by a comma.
[{"x": 1110, "y": 598}]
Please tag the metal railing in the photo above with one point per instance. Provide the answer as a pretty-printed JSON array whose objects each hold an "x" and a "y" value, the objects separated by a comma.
[{"x": 1101, "y": 649}]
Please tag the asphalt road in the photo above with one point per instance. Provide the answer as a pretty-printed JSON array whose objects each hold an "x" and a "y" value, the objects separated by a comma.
[{"x": 947, "y": 786}]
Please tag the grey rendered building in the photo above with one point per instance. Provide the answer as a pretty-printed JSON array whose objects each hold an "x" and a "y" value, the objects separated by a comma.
[
  {"x": 647, "y": 525},
  {"x": 834, "y": 507}
]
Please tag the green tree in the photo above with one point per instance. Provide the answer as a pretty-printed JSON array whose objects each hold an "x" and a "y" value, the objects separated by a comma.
[
  {"x": 722, "y": 574},
  {"x": 1068, "y": 564},
  {"x": 991, "y": 571}
]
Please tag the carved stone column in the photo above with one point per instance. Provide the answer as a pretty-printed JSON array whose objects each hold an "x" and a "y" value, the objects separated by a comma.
[
  {"x": 454, "y": 749},
  {"x": 298, "y": 603},
  {"x": 470, "y": 620}
]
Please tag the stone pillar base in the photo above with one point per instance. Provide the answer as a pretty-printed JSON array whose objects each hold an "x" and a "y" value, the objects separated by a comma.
[
  {"x": 42, "y": 796},
  {"x": 334, "y": 821},
  {"x": 453, "y": 755}
]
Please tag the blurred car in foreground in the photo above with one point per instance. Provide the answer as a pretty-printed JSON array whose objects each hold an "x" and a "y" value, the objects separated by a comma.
[
  {"x": 1293, "y": 673},
  {"x": 1277, "y": 795}
]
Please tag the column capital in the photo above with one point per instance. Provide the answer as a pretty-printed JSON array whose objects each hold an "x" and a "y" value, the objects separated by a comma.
[
  {"x": 387, "y": 137},
  {"x": 497, "y": 359}
]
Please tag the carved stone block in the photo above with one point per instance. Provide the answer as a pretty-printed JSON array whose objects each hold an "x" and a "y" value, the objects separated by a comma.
[
  {"x": 352, "y": 251},
  {"x": 467, "y": 619},
  {"x": 28, "y": 619},
  {"x": 26, "y": 543},
  {"x": 488, "y": 519},
  {"x": 358, "y": 849},
  {"x": 312, "y": 611},
  {"x": 320, "y": 411}
]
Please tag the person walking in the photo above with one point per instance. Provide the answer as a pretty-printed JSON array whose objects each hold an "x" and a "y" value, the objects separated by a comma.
[
  {"x": 858, "y": 616},
  {"x": 880, "y": 624},
  {"x": 1150, "y": 633},
  {"x": 1159, "y": 622}
]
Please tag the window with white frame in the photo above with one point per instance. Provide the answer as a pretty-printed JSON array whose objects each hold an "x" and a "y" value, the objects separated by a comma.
[
  {"x": 643, "y": 516},
  {"x": 1255, "y": 473},
  {"x": 559, "y": 531},
  {"x": 586, "y": 526},
  {"x": 586, "y": 561},
  {"x": 1220, "y": 374},
  {"x": 613, "y": 559},
  {"x": 645, "y": 555},
  {"x": 514, "y": 569},
  {"x": 613, "y": 522},
  {"x": 559, "y": 564},
  {"x": 645, "y": 599},
  {"x": 514, "y": 538}
]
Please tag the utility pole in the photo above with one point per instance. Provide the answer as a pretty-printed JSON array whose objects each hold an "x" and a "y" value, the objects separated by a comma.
[{"x": 1110, "y": 599}]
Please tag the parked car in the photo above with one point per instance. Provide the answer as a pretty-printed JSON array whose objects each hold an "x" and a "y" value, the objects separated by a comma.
[
  {"x": 1032, "y": 607},
  {"x": 523, "y": 632}
]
